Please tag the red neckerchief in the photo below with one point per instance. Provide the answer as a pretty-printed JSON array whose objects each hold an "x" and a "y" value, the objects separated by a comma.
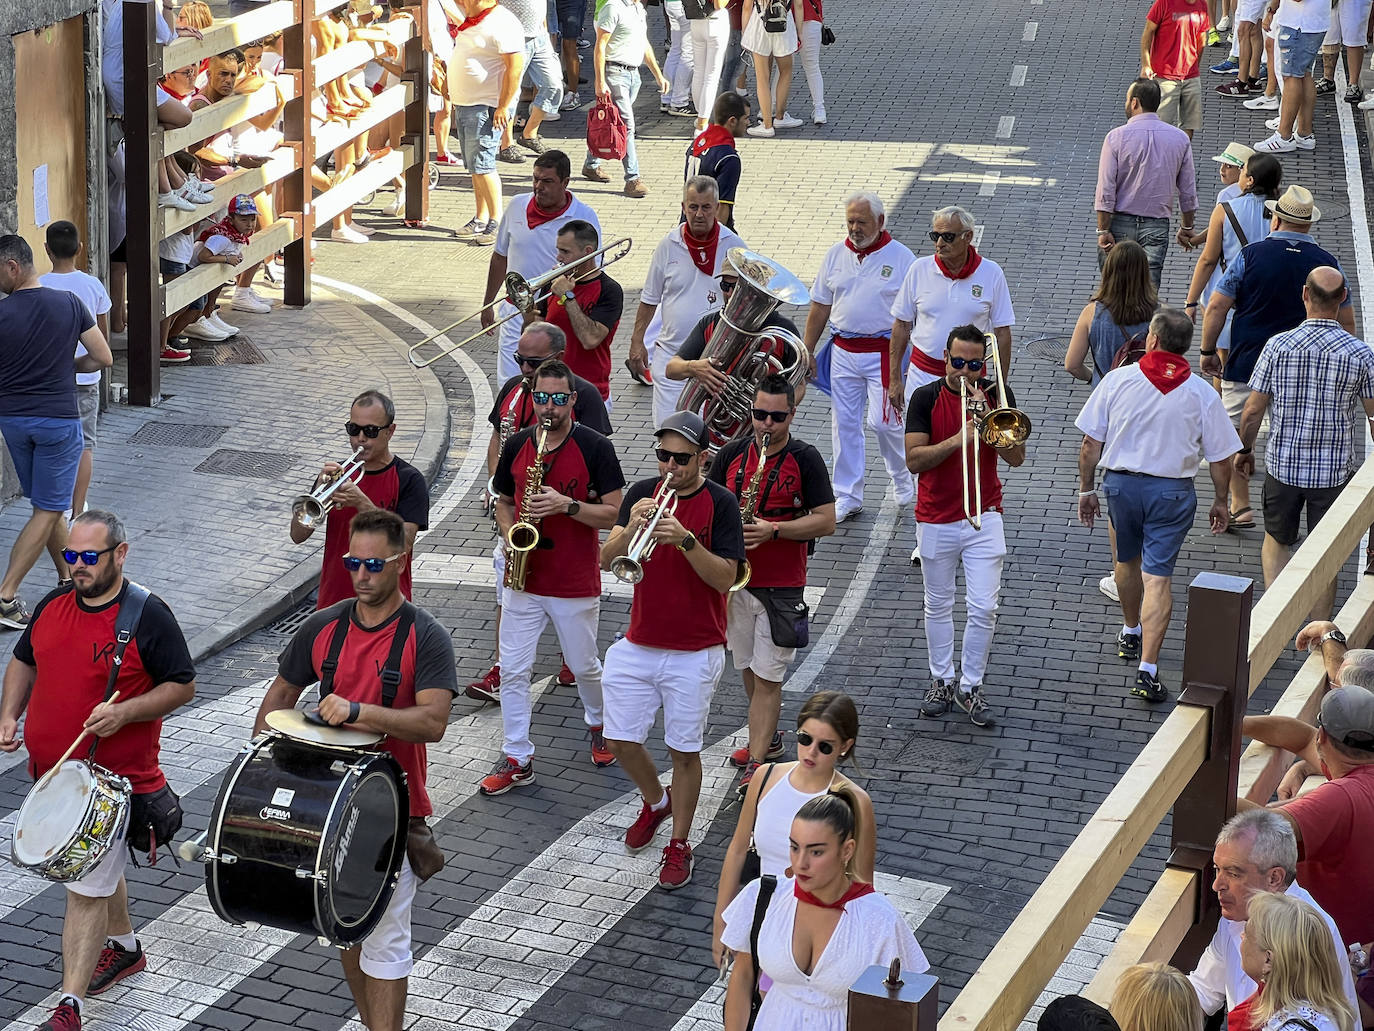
[
  {"x": 173, "y": 93},
  {"x": 476, "y": 19},
  {"x": 537, "y": 216},
  {"x": 711, "y": 136},
  {"x": 884, "y": 238},
  {"x": 974, "y": 260},
  {"x": 703, "y": 252},
  {"x": 225, "y": 228},
  {"x": 1166, "y": 371},
  {"x": 856, "y": 890},
  {"x": 1240, "y": 1019}
]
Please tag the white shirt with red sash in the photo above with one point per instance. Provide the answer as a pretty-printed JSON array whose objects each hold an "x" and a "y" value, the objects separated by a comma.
[{"x": 934, "y": 302}]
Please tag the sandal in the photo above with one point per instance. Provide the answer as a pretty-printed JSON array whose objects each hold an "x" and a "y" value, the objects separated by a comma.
[{"x": 1235, "y": 523}]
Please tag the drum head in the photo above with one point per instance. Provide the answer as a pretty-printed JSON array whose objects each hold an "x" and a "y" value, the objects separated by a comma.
[
  {"x": 292, "y": 723},
  {"x": 370, "y": 839},
  {"x": 52, "y": 815}
]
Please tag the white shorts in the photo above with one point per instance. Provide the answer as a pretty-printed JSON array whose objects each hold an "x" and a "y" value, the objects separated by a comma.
[
  {"x": 749, "y": 637},
  {"x": 386, "y": 953},
  {"x": 637, "y": 681},
  {"x": 1250, "y": 10},
  {"x": 758, "y": 40},
  {"x": 1348, "y": 22},
  {"x": 103, "y": 881}
]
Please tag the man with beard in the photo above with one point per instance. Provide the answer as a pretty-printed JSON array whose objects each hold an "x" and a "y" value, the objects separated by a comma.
[{"x": 60, "y": 674}]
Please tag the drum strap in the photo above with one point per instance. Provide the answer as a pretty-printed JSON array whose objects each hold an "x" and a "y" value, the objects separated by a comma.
[
  {"x": 126, "y": 625},
  {"x": 391, "y": 672}
]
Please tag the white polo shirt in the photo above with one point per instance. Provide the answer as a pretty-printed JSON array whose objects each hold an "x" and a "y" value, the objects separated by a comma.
[
  {"x": 475, "y": 72},
  {"x": 681, "y": 291},
  {"x": 532, "y": 252},
  {"x": 861, "y": 293},
  {"x": 1146, "y": 431},
  {"x": 934, "y": 304}
]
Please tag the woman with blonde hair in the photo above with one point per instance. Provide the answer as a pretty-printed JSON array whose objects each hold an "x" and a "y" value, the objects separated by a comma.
[{"x": 1156, "y": 997}]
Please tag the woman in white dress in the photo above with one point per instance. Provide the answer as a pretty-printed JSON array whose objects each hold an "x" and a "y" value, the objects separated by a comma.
[
  {"x": 769, "y": 46},
  {"x": 1286, "y": 948},
  {"x": 823, "y": 927}
]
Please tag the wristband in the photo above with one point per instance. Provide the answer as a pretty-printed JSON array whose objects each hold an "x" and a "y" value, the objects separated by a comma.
[
  {"x": 1208, "y": 353},
  {"x": 1190, "y": 304},
  {"x": 1088, "y": 493},
  {"x": 354, "y": 708},
  {"x": 776, "y": 529},
  {"x": 1103, "y": 232},
  {"x": 1245, "y": 451}
]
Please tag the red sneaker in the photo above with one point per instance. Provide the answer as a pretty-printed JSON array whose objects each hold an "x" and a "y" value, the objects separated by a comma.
[
  {"x": 675, "y": 868},
  {"x": 601, "y": 755},
  {"x": 565, "y": 677},
  {"x": 114, "y": 964},
  {"x": 174, "y": 355},
  {"x": 445, "y": 159},
  {"x": 65, "y": 1018},
  {"x": 488, "y": 689},
  {"x": 505, "y": 775},
  {"x": 739, "y": 758},
  {"x": 641, "y": 832},
  {"x": 747, "y": 776}
]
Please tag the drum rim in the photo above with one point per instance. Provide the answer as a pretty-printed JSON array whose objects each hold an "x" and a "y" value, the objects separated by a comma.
[
  {"x": 97, "y": 775},
  {"x": 216, "y": 829}
]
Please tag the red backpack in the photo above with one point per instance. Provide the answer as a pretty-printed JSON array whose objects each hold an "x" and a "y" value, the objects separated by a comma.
[{"x": 607, "y": 136}]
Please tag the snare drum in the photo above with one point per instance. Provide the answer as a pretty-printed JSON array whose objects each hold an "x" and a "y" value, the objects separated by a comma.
[
  {"x": 309, "y": 837},
  {"x": 66, "y": 827}
]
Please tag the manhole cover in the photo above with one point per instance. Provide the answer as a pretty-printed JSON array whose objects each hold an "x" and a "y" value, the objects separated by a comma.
[
  {"x": 291, "y": 622},
  {"x": 935, "y": 755},
  {"x": 175, "y": 434},
  {"x": 239, "y": 351},
  {"x": 1333, "y": 209},
  {"x": 264, "y": 465}
]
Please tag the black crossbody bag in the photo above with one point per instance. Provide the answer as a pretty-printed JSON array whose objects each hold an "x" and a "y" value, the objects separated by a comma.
[{"x": 789, "y": 617}]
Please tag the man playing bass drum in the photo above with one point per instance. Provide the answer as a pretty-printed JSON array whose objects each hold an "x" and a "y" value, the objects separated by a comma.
[{"x": 786, "y": 502}]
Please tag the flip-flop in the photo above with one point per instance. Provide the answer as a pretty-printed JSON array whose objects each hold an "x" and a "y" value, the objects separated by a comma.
[{"x": 1234, "y": 523}]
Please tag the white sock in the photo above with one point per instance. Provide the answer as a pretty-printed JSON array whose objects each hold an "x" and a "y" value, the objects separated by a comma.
[
  {"x": 127, "y": 942},
  {"x": 661, "y": 803},
  {"x": 1135, "y": 631},
  {"x": 1151, "y": 668},
  {"x": 73, "y": 1000}
]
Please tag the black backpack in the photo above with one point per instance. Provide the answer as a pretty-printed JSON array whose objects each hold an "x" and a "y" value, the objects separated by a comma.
[{"x": 774, "y": 14}]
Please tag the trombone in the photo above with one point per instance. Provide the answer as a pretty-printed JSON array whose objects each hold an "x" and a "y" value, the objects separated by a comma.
[
  {"x": 525, "y": 294},
  {"x": 1000, "y": 426},
  {"x": 629, "y": 567},
  {"x": 310, "y": 509}
]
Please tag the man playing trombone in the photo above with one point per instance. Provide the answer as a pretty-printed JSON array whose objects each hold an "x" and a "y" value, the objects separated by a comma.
[
  {"x": 959, "y": 514},
  {"x": 679, "y": 539},
  {"x": 384, "y": 481}
]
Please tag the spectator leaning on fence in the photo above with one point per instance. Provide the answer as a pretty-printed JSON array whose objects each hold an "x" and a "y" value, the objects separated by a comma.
[{"x": 1155, "y": 997}]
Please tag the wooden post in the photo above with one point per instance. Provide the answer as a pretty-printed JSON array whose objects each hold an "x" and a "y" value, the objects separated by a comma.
[
  {"x": 296, "y": 187},
  {"x": 890, "y": 999},
  {"x": 142, "y": 149},
  {"x": 1216, "y": 676},
  {"x": 417, "y": 65}
]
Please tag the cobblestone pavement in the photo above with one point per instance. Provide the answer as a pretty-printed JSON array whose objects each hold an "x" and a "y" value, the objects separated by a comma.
[{"x": 540, "y": 921}]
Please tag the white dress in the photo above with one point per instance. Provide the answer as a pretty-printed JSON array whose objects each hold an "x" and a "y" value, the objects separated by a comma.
[
  {"x": 1285, "y": 1020},
  {"x": 758, "y": 40},
  {"x": 870, "y": 931}
]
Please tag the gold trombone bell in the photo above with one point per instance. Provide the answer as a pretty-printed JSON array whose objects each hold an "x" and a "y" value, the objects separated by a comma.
[{"x": 1000, "y": 426}]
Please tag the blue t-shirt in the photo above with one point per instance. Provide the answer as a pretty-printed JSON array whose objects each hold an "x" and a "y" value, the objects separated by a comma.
[{"x": 39, "y": 331}]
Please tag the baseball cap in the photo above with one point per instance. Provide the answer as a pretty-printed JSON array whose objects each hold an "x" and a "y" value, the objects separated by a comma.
[
  {"x": 1347, "y": 716},
  {"x": 687, "y": 424},
  {"x": 1234, "y": 154},
  {"x": 242, "y": 205}
]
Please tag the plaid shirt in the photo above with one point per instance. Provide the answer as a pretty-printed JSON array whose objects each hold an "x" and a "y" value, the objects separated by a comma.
[{"x": 1315, "y": 376}]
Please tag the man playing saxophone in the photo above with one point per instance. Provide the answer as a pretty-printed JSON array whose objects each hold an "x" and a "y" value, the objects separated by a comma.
[
  {"x": 786, "y": 502},
  {"x": 560, "y": 482}
]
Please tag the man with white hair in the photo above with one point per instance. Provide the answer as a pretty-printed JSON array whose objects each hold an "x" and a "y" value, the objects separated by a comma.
[{"x": 852, "y": 299}]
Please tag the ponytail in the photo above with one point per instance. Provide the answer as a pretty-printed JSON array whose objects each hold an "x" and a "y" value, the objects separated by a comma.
[{"x": 839, "y": 810}]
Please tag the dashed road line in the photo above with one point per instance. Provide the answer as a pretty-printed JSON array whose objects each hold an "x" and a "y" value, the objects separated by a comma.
[{"x": 1018, "y": 74}]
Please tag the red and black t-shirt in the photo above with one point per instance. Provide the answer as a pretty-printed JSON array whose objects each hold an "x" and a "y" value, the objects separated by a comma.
[
  {"x": 71, "y": 646},
  {"x": 399, "y": 488},
  {"x": 934, "y": 410},
  {"x": 426, "y": 664},
  {"x": 673, "y": 607},
  {"x": 567, "y": 561},
  {"x": 695, "y": 345},
  {"x": 601, "y": 300},
  {"x": 795, "y": 482},
  {"x": 514, "y": 400}
]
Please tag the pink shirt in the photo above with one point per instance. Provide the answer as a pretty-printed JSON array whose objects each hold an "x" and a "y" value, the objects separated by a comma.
[{"x": 1142, "y": 163}]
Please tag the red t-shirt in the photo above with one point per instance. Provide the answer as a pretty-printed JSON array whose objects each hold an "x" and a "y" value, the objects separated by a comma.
[
  {"x": 399, "y": 488},
  {"x": 585, "y": 468},
  {"x": 601, "y": 300},
  {"x": 673, "y": 607},
  {"x": 795, "y": 482},
  {"x": 71, "y": 646},
  {"x": 1179, "y": 39},
  {"x": 812, "y": 11},
  {"x": 1335, "y": 821},
  {"x": 934, "y": 410},
  {"x": 426, "y": 663}
]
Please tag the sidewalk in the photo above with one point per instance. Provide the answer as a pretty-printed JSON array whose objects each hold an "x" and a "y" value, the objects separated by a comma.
[{"x": 204, "y": 481}]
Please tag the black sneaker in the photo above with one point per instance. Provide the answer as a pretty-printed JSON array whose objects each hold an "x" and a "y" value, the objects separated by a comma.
[
  {"x": 1147, "y": 686},
  {"x": 1128, "y": 646},
  {"x": 938, "y": 699},
  {"x": 976, "y": 706},
  {"x": 14, "y": 613},
  {"x": 534, "y": 144},
  {"x": 1325, "y": 85},
  {"x": 687, "y": 110},
  {"x": 511, "y": 155},
  {"x": 115, "y": 962},
  {"x": 1353, "y": 94}
]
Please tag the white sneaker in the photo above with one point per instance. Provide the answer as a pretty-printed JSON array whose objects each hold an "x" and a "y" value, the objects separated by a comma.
[
  {"x": 397, "y": 205},
  {"x": 1272, "y": 123},
  {"x": 844, "y": 512},
  {"x": 1276, "y": 144},
  {"x": 1262, "y": 103},
  {"x": 554, "y": 117},
  {"x": 818, "y": 116},
  {"x": 1367, "y": 104},
  {"x": 174, "y": 200},
  {"x": 200, "y": 184},
  {"x": 347, "y": 234},
  {"x": 1107, "y": 585},
  {"x": 360, "y": 229},
  {"x": 1224, "y": 23},
  {"x": 787, "y": 121},
  {"x": 204, "y": 329},
  {"x": 765, "y": 131},
  {"x": 193, "y": 195},
  {"x": 1305, "y": 142},
  {"x": 221, "y": 325},
  {"x": 246, "y": 300}
]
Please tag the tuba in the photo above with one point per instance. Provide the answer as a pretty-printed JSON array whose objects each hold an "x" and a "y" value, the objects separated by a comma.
[{"x": 735, "y": 347}]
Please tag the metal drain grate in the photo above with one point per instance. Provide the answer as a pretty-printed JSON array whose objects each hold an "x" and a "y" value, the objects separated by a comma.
[
  {"x": 934, "y": 755},
  {"x": 263, "y": 465},
  {"x": 239, "y": 351},
  {"x": 174, "y": 434},
  {"x": 291, "y": 622}
]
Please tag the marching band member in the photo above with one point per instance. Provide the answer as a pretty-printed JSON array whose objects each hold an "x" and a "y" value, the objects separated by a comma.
[
  {"x": 380, "y": 630},
  {"x": 673, "y": 654},
  {"x": 853, "y": 297},
  {"x": 60, "y": 673},
  {"x": 936, "y": 448},
  {"x": 387, "y": 482},
  {"x": 578, "y": 495},
  {"x": 788, "y": 495}
]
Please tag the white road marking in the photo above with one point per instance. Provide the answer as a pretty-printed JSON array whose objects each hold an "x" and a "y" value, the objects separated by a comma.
[
  {"x": 989, "y": 186},
  {"x": 1004, "y": 126},
  {"x": 1028, "y": 35},
  {"x": 1018, "y": 74}
]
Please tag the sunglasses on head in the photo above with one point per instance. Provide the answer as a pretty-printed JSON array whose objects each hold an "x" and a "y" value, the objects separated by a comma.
[
  {"x": 372, "y": 565},
  {"x": 806, "y": 740},
  {"x": 678, "y": 457},
  {"x": 973, "y": 364},
  {"x": 535, "y": 360},
  {"x": 354, "y": 429},
  {"x": 946, "y": 237},
  {"x": 88, "y": 558},
  {"x": 764, "y": 414},
  {"x": 543, "y": 397}
]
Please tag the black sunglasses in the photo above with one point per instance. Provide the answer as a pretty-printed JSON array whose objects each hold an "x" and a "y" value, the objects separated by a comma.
[
  {"x": 372, "y": 565},
  {"x": 805, "y": 740},
  {"x": 354, "y": 429},
  {"x": 680, "y": 457},
  {"x": 525, "y": 359},
  {"x": 543, "y": 397},
  {"x": 973, "y": 364},
  {"x": 947, "y": 237},
  {"x": 764, "y": 414},
  {"x": 88, "y": 558},
  {"x": 726, "y": 285}
]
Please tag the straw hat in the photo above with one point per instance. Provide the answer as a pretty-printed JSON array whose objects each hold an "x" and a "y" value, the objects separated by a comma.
[
  {"x": 1235, "y": 154},
  {"x": 1295, "y": 205}
]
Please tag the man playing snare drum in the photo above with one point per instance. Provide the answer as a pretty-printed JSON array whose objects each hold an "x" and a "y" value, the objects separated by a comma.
[
  {"x": 417, "y": 715},
  {"x": 59, "y": 673}
]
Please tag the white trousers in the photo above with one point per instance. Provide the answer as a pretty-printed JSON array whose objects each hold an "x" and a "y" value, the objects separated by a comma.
[
  {"x": 943, "y": 547},
  {"x": 677, "y": 67},
  {"x": 523, "y": 619},
  {"x": 666, "y": 391},
  {"x": 506, "y": 365},
  {"x": 811, "y": 63},
  {"x": 709, "y": 39},
  {"x": 854, "y": 379}
]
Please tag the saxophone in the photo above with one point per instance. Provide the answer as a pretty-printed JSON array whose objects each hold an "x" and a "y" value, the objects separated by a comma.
[
  {"x": 504, "y": 432},
  {"x": 749, "y": 507},
  {"x": 523, "y": 537}
]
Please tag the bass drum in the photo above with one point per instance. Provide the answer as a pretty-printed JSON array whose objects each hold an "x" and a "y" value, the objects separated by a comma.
[{"x": 309, "y": 838}]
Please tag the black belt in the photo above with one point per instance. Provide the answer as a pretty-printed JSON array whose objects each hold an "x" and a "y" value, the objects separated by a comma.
[{"x": 627, "y": 67}]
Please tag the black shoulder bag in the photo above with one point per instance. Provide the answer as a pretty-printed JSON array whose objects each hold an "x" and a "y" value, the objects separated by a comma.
[
  {"x": 752, "y": 866},
  {"x": 766, "y": 887},
  {"x": 1235, "y": 225}
]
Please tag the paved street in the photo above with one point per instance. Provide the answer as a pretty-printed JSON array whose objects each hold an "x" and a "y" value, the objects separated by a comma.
[{"x": 540, "y": 921}]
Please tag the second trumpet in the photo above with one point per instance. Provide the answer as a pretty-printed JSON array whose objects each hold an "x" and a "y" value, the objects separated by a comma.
[
  {"x": 311, "y": 509},
  {"x": 629, "y": 567}
]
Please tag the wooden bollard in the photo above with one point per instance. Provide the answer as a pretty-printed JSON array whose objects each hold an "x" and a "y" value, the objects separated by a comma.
[{"x": 881, "y": 1000}]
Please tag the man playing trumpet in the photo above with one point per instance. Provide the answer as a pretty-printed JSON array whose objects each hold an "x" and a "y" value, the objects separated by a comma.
[{"x": 386, "y": 482}]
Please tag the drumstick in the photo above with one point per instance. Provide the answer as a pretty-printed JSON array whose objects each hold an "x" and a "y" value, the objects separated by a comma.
[{"x": 68, "y": 753}]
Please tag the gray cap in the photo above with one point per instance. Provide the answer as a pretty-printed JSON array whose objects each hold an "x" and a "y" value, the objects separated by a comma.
[
  {"x": 686, "y": 424},
  {"x": 1347, "y": 716}
]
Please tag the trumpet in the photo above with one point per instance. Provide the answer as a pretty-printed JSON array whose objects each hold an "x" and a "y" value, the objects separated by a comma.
[
  {"x": 999, "y": 426},
  {"x": 310, "y": 509},
  {"x": 629, "y": 567},
  {"x": 525, "y": 294}
]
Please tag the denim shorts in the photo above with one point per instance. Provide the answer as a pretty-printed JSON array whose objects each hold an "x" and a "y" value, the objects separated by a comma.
[
  {"x": 478, "y": 138},
  {"x": 170, "y": 270},
  {"x": 1299, "y": 51},
  {"x": 571, "y": 15},
  {"x": 1151, "y": 516},
  {"x": 46, "y": 453}
]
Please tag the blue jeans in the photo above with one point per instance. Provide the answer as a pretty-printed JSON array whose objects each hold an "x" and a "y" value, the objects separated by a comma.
[
  {"x": 1151, "y": 233},
  {"x": 624, "y": 85},
  {"x": 46, "y": 452},
  {"x": 734, "y": 53}
]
